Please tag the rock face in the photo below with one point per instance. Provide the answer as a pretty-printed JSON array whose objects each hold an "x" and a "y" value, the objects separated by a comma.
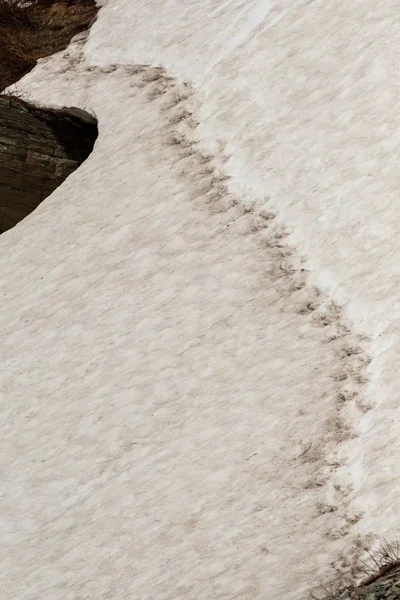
[{"x": 38, "y": 150}]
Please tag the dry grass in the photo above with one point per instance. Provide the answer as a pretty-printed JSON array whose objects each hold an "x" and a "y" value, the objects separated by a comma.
[
  {"x": 11, "y": 13},
  {"x": 377, "y": 564},
  {"x": 31, "y": 30},
  {"x": 15, "y": 27},
  {"x": 380, "y": 561}
]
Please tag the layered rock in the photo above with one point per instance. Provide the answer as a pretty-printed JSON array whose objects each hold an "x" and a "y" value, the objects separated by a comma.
[{"x": 38, "y": 149}]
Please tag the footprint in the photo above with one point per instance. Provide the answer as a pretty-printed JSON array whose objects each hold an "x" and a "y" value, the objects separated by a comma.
[{"x": 152, "y": 74}]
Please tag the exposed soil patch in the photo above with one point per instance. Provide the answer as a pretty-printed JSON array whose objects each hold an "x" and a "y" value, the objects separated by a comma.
[{"x": 35, "y": 29}]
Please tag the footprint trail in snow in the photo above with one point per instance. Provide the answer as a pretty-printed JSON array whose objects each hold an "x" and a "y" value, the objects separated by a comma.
[{"x": 198, "y": 391}]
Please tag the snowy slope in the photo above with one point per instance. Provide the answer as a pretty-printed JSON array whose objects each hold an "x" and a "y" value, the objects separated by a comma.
[{"x": 184, "y": 414}]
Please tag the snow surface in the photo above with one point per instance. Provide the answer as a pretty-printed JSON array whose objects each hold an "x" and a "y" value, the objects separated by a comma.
[{"x": 186, "y": 410}]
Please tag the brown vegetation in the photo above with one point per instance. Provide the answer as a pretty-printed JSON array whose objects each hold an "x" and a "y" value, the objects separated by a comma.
[
  {"x": 381, "y": 571},
  {"x": 36, "y": 28}
]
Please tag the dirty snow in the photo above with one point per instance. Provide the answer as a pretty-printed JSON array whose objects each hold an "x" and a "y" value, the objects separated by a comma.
[{"x": 188, "y": 406}]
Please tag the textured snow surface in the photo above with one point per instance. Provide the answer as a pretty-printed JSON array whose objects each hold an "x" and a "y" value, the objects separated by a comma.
[{"x": 186, "y": 409}]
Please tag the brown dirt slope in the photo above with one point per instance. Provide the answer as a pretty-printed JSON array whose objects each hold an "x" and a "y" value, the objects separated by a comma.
[{"x": 39, "y": 28}]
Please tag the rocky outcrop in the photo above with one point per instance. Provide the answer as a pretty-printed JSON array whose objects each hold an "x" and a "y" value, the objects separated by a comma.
[{"x": 38, "y": 150}]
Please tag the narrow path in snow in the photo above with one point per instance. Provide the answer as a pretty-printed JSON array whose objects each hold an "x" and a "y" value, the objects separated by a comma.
[
  {"x": 318, "y": 459},
  {"x": 197, "y": 392}
]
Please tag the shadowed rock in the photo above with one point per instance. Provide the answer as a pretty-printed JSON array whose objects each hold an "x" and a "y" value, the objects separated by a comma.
[{"x": 38, "y": 150}]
